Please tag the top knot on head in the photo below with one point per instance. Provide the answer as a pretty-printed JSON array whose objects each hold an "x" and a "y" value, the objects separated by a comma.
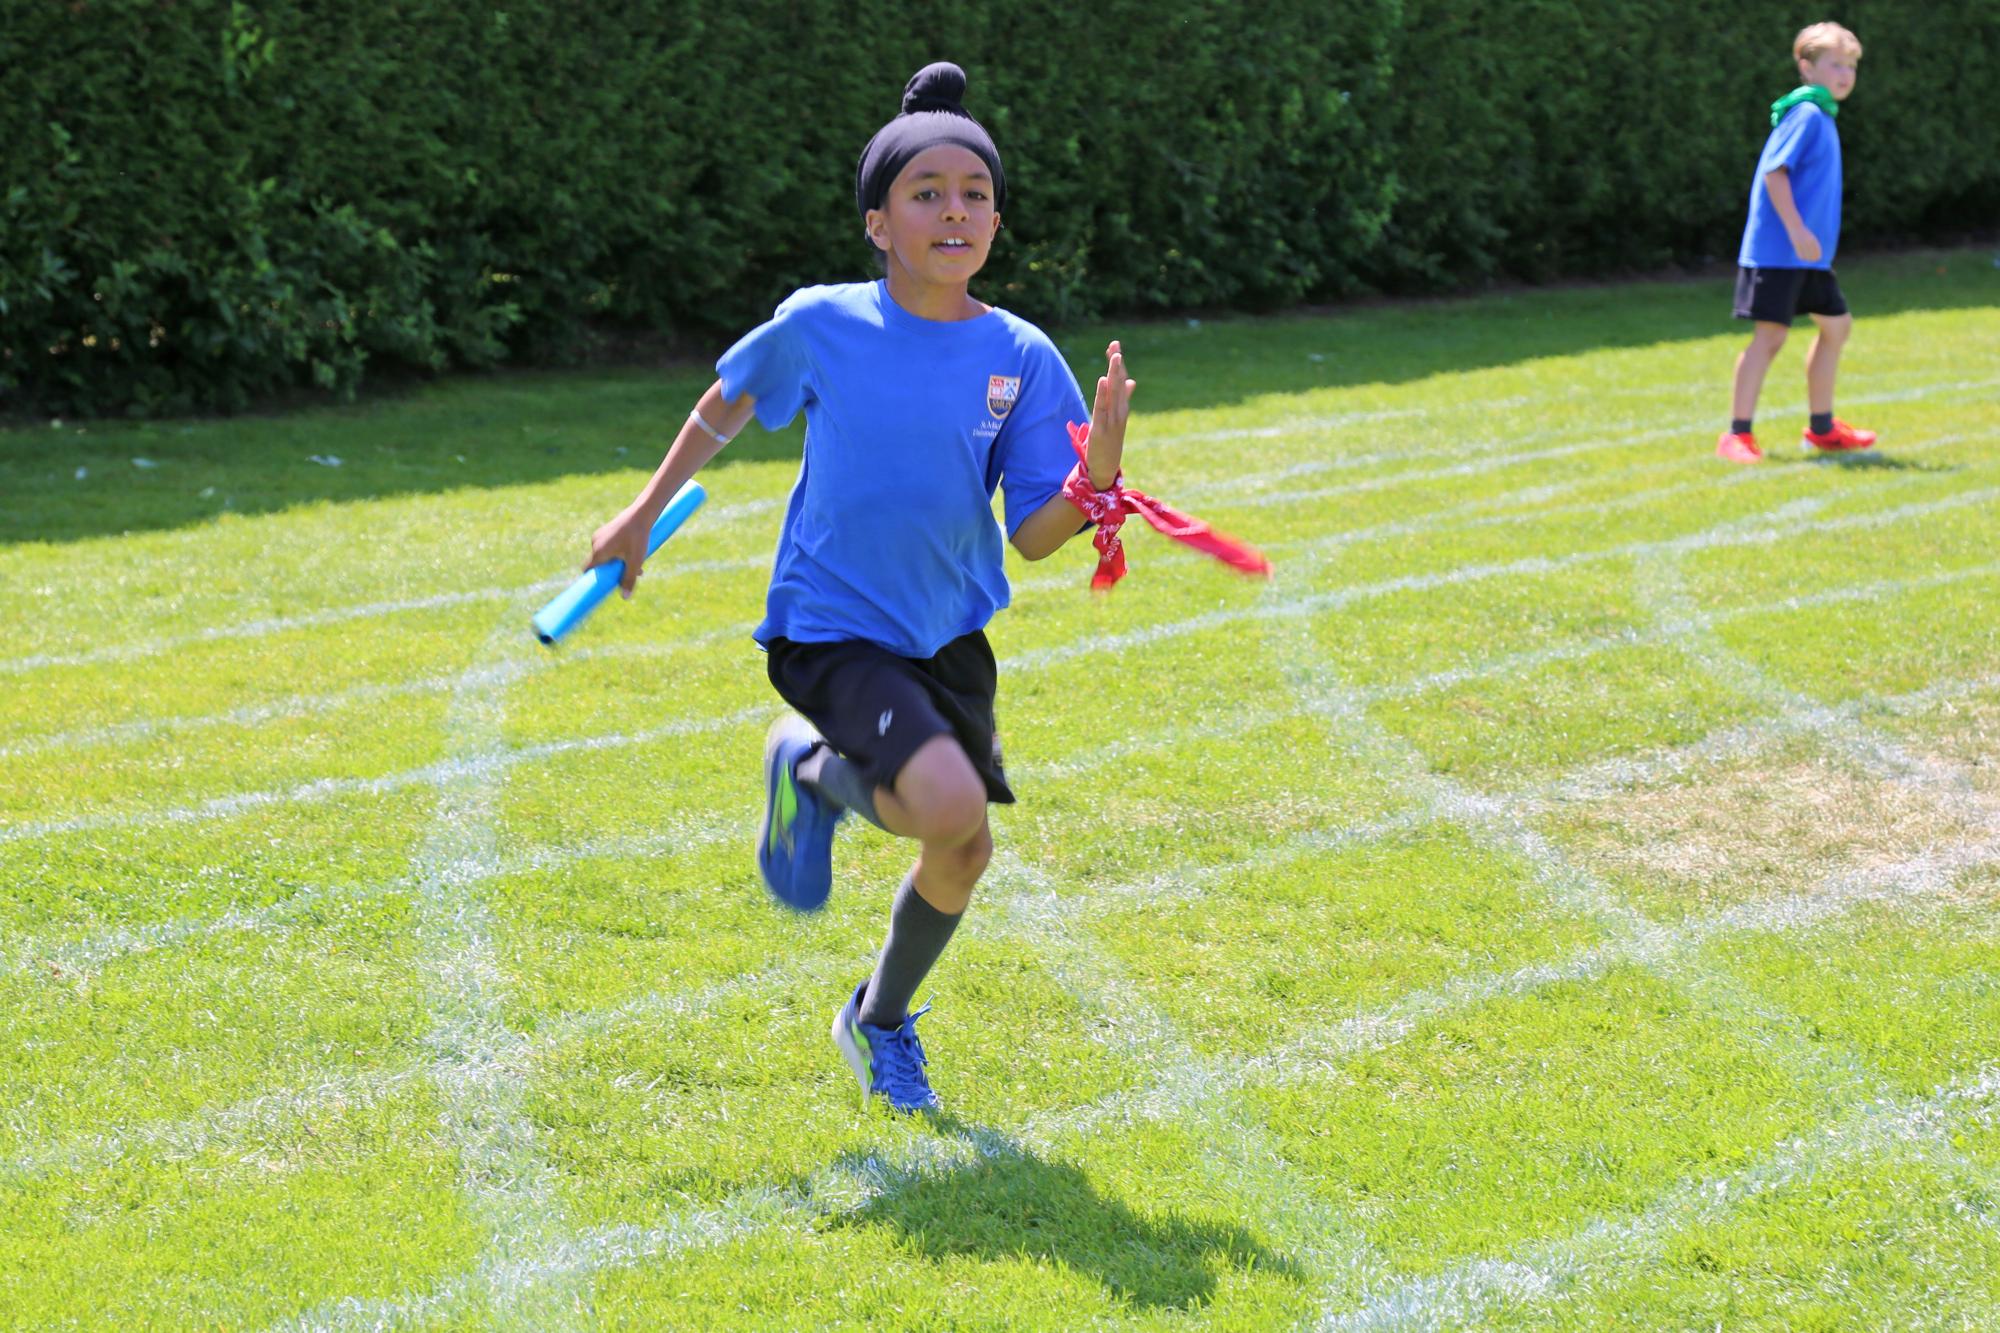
[
  {"x": 933, "y": 114},
  {"x": 938, "y": 87}
]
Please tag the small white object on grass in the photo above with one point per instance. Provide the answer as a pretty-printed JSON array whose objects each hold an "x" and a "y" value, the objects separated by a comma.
[
  {"x": 144, "y": 464},
  {"x": 82, "y": 472},
  {"x": 324, "y": 460}
]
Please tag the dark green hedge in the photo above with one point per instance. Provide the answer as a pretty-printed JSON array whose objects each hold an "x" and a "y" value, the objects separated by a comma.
[{"x": 206, "y": 203}]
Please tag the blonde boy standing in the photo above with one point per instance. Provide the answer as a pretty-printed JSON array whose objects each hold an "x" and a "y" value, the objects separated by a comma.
[{"x": 1785, "y": 266}]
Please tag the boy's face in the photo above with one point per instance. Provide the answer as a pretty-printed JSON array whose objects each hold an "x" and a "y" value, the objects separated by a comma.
[
  {"x": 1834, "y": 69},
  {"x": 938, "y": 221}
]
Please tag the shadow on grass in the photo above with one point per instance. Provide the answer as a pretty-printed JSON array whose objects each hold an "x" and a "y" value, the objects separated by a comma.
[
  {"x": 86, "y": 479},
  {"x": 1871, "y": 462},
  {"x": 1007, "y": 1203}
]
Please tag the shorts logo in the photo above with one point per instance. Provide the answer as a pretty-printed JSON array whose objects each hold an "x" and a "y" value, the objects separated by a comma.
[
  {"x": 882, "y": 723},
  {"x": 1001, "y": 391}
]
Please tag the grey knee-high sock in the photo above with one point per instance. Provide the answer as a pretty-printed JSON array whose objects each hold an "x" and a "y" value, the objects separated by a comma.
[
  {"x": 840, "y": 782},
  {"x": 918, "y": 933}
]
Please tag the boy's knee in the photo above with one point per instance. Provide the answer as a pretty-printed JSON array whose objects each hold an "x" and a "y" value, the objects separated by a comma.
[
  {"x": 944, "y": 794},
  {"x": 965, "y": 861},
  {"x": 1769, "y": 337},
  {"x": 1835, "y": 328}
]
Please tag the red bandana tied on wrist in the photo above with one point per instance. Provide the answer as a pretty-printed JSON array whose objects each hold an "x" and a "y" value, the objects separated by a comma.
[{"x": 1108, "y": 508}]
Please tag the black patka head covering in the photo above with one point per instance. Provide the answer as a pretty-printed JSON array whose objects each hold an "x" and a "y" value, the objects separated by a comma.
[{"x": 933, "y": 114}]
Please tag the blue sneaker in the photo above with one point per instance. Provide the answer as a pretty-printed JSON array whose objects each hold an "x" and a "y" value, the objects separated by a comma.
[
  {"x": 888, "y": 1062},
  {"x": 795, "y": 844}
]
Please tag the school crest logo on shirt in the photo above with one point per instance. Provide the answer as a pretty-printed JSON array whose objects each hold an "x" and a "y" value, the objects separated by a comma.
[{"x": 1001, "y": 391}]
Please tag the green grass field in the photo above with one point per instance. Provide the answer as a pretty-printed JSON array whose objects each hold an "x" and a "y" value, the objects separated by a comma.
[{"x": 1567, "y": 895}]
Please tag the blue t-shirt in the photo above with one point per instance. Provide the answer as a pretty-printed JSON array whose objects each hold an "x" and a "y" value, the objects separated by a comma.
[
  {"x": 911, "y": 425},
  {"x": 1807, "y": 145}
]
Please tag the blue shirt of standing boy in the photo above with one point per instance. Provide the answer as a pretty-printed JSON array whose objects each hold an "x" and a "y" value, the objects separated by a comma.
[
  {"x": 911, "y": 425},
  {"x": 1807, "y": 145}
]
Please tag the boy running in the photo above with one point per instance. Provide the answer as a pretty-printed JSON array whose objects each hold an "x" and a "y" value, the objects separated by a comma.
[
  {"x": 920, "y": 402},
  {"x": 1785, "y": 265}
]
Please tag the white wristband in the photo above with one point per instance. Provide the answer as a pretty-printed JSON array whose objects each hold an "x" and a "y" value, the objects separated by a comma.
[{"x": 698, "y": 419}]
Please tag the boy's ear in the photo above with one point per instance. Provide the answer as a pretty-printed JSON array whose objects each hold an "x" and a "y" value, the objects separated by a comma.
[{"x": 876, "y": 228}]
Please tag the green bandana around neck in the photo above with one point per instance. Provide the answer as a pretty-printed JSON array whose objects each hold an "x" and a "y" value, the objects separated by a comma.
[{"x": 1805, "y": 92}]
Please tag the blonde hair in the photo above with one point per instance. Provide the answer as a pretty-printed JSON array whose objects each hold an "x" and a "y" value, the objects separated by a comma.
[{"x": 1817, "y": 40}]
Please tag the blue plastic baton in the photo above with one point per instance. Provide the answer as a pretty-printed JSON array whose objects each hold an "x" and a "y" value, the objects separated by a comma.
[{"x": 574, "y": 603}]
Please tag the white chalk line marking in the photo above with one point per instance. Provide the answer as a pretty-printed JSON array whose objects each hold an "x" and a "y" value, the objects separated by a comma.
[
  {"x": 477, "y": 1062},
  {"x": 428, "y": 775},
  {"x": 71, "y": 956},
  {"x": 287, "y": 1105},
  {"x": 300, "y": 705},
  {"x": 1240, "y": 1152},
  {"x": 1461, "y": 517},
  {"x": 303, "y": 705},
  {"x": 1604, "y": 778},
  {"x": 1318, "y": 1050},
  {"x": 1836, "y": 1077},
  {"x": 1308, "y": 426},
  {"x": 609, "y": 1251},
  {"x": 264, "y": 628},
  {"x": 67, "y": 956},
  {"x": 1881, "y": 1130},
  {"x": 74, "y": 958},
  {"x": 1296, "y": 606},
  {"x": 241, "y": 1128},
  {"x": 1689, "y": 626},
  {"x": 846, "y": 1187},
  {"x": 727, "y": 515},
  {"x": 1518, "y": 509},
  {"x": 1664, "y": 593},
  {"x": 1586, "y": 784},
  {"x": 1931, "y": 691}
]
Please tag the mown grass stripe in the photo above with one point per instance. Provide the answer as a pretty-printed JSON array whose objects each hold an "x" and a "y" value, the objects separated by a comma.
[
  {"x": 1547, "y": 1271},
  {"x": 1447, "y": 520},
  {"x": 1836, "y": 1077},
  {"x": 1292, "y": 607},
  {"x": 1319, "y": 1049},
  {"x": 729, "y": 514},
  {"x": 1243, "y": 1156},
  {"x": 1594, "y": 782},
  {"x": 306, "y": 705},
  {"x": 428, "y": 775},
  {"x": 848, "y": 1186}
]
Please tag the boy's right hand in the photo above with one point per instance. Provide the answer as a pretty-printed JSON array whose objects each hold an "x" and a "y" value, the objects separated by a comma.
[
  {"x": 1806, "y": 244},
  {"x": 623, "y": 538}
]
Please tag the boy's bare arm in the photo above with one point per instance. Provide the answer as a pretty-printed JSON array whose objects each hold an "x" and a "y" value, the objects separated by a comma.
[
  {"x": 624, "y": 537},
  {"x": 1778, "y": 184},
  {"x": 1043, "y": 532}
]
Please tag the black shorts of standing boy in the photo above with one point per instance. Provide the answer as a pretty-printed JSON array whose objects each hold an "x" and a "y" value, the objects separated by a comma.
[
  {"x": 877, "y": 709},
  {"x": 1778, "y": 295}
]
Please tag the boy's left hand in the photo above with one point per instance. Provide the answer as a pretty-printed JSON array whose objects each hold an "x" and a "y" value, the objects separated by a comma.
[{"x": 1108, "y": 414}]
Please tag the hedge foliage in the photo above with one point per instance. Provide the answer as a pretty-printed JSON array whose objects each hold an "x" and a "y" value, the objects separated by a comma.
[{"x": 207, "y": 202}]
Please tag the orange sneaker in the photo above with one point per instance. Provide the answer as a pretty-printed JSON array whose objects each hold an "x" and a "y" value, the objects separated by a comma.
[
  {"x": 1842, "y": 439},
  {"x": 1733, "y": 448}
]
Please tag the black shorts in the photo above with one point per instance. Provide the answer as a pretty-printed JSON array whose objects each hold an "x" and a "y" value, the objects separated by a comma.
[
  {"x": 877, "y": 709},
  {"x": 1775, "y": 295}
]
